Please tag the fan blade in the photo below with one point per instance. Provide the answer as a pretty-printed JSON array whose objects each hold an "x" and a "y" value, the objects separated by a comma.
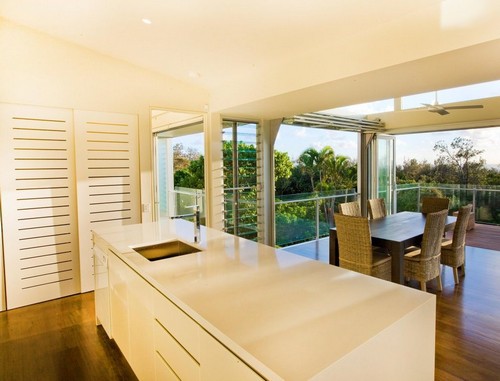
[
  {"x": 436, "y": 108},
  {"x": 463, "y": 107}
]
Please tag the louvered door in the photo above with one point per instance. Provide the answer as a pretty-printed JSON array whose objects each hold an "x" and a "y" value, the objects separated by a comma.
[
  {"x": 38, "y": 204},
  {"x": 108, "y": 178}
]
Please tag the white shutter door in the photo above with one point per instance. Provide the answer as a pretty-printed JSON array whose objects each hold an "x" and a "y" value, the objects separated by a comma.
[
  {"x": 108, "y": 178},
  {"x": 38, "y": 204}
]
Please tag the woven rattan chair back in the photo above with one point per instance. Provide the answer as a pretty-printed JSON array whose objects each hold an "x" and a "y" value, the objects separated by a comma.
[
  {"x": 459, "y": 231},
  {"x": 434, "y": 204},
  {"x": 425, "y": 264},
  {"x": 355, "y": 244},
  {"x": 350, "y": 209},
  {"x": 376, "y": 208},
  {"x": 453, "y": 254},
  {"x": 433, "y": 234}
]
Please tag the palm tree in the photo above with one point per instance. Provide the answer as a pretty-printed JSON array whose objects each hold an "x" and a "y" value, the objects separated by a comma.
[{"x": 307, "y": 162}]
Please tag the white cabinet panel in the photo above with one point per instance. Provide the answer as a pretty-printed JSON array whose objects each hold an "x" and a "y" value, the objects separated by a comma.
[
  {"x": 101, "y": 293},
  {"x": 219, "y": 364},
  {"x": 141, "y": 319},
  {"x": 2, "y": 281},
  {"x": 38, "y": 195},
  {"x": 177, "y": 357},
  {"x": 118, "y": 294},
  {"x": 163, "y": 370},
  {"x": 107, "y": 169},
  {"x": 185, "y": 330}
]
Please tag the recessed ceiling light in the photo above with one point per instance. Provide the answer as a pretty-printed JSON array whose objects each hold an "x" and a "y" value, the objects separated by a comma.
[{"x": 147, "y": 21}]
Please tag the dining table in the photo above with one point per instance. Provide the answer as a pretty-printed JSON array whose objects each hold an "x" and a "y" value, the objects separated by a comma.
[{"x": 395, "y": 232}]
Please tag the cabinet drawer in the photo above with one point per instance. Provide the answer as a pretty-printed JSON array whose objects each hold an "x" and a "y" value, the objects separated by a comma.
[
  {"x": 163, "y": 370},
  {"x": 175, "y": 355},
  {"x": 219, "y": 364},
  {"x": 185, "y": 330}
]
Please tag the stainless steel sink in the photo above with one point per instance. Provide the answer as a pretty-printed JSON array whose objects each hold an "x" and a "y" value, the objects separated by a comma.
[{"x": 165, "y": 250}]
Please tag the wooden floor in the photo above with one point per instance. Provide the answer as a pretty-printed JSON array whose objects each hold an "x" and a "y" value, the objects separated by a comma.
[{"x": 58, "y": 340}]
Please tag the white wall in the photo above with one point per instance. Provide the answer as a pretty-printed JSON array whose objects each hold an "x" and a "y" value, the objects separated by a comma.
[{"x": 37, "y": 69}]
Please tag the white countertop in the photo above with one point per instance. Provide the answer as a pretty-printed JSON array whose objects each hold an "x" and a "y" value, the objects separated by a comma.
[{"x": 280, "y": 312}]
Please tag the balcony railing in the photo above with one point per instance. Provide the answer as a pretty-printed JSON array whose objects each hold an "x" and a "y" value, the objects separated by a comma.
[
  {"x": 309, "y": 215},
  {"x": 306, "y": 216},
  {"x": 485, "y": 199},
  {"x": 184, "y": 200}
]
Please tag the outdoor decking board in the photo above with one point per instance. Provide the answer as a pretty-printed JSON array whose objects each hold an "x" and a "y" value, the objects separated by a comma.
[{"x": 484, "y": 236}]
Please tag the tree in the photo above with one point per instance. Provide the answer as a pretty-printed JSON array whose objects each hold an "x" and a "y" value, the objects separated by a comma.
[
  {"x": 282, "y": 171},
  {"x": 193, "y": 176},
  {"x": 414, "y": 172},
  {"x": 308, "y": 164},
  {"x": 183, "y": 157},
  {"x": 462, "y": 159},
  {"x": 327, "y": 171}
]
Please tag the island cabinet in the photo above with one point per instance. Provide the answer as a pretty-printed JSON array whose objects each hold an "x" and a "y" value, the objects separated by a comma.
[
  {"x": 159, "y": 340},
  {"x": 131, "y": 302},
  {"x": 185, "y": 351},
  {"x": 240, "y": 311}
]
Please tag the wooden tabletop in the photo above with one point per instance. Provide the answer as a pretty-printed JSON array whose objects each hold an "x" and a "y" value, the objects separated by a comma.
[
  {"x": 396, "y": 232},
  {"x": 402, "y": 226}
]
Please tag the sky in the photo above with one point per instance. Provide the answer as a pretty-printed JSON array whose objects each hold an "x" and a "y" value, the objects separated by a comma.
[{"x": 295, "y": 140}]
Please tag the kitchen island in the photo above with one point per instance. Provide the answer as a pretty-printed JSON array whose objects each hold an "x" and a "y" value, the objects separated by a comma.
[{"x": 279, "y": 315}]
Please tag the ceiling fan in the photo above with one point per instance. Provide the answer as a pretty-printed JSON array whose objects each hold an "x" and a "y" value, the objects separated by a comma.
[{"x": 443, "y": 110}]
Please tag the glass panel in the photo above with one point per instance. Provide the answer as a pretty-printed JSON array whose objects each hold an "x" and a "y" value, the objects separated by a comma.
[
  {"x": 307, "y": 216},
  {"x": 179, "y": 175},
  {"x": 240, "y": 178},
  {"x": 456, "y": 94},
  {"x": 385, "y": 169}
]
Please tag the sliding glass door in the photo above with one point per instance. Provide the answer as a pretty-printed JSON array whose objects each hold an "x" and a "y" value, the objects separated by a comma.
[
  {"x": 179, "y": 168},
  {"x": 384, "y": 178}
]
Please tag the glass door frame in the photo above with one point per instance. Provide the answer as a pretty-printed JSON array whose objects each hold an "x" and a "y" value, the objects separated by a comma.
[
  {"x": 383, "y": 162},
  {"x": 178, "y": 122}
]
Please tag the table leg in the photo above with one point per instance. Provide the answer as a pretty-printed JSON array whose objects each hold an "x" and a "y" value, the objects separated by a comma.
[
  {"x": 397, "y": 251},
  {"x": 334, "y": 248}
]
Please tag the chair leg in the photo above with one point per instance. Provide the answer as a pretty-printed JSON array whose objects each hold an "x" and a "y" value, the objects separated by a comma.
[
  {"x": 423, "y": 286},
  {"x": 455, "y": 274},
  {"x": 465, "y": 260},
  {"x": 439, "y": 284}
]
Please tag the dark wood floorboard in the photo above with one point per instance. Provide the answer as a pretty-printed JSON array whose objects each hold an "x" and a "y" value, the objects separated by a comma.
[
  {"x": 58, "y": 340},
  {"x": 484, "y": 236},
  {"x": 467, "y": 314}
]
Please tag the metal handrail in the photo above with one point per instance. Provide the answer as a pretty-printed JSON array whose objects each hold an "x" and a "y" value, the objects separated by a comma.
[{"x": 317, "y": 200}]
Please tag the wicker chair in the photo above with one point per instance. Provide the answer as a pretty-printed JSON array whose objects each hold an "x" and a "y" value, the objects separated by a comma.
[
  {"x": 453, "y": 251},
  {"x": 350, "y": 209},
  {"x": 355, "y": 248},
  {"x": 376, "y": 208},
  {"x": 434, "y": 204},
  {"x": 423, "y": 264}
]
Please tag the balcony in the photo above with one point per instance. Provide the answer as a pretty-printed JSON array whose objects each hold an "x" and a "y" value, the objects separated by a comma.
[{"x": 308, "y": 219}]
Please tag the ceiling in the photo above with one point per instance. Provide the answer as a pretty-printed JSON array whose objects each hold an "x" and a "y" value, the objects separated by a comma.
[{"x": 278, "y": 58}]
